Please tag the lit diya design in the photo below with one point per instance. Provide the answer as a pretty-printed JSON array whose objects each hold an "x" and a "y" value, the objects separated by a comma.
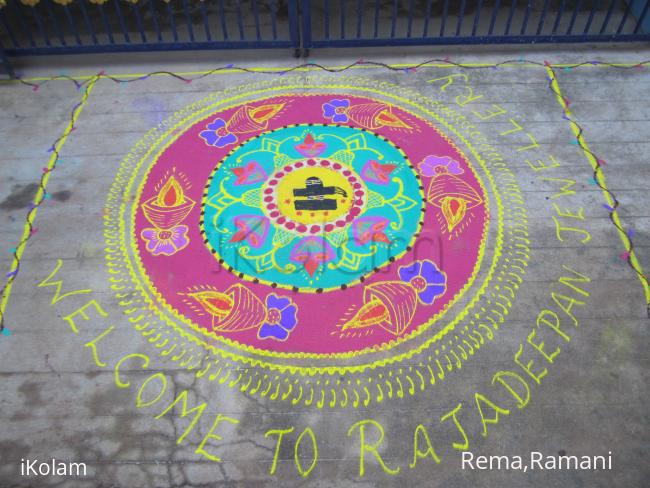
[
  {"x": 165, "y": 212},
  {"x": 391, "y": 305},
  {"x": 371, "y": 115},
  {"x": 447, "y": 191},
  {"x": 233, "y": 310},
  {"x": 238, "y": 309},
  {"x": 246, "y": 119}
]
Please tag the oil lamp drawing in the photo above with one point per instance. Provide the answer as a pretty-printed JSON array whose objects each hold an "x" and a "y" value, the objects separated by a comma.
[
  {"x": 165, "y": 212},
  {"x": 447, "y": 191},
  {"x": 391, "y": 305},
  {"x": 233, "y": 310},
  {"x": 246, "y": 119},
  {"x": 369, "y": 115},
  {"x": 238, "y": 309}
]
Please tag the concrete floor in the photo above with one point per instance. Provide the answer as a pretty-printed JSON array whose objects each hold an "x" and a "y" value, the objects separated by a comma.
[{"x": 58, "y": 402}]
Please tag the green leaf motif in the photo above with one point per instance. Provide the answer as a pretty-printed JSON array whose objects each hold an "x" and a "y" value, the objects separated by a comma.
[
  {"x": 221, "y": 200},
  {"x": 252, "y": 198},
  {"x": 343, "y": 156},
  {"x": 281, "y": 160},
  {"x": 282, "y": 237},
  {"x": 403, "y": 203},
  {"x": 270, "y": 145},
  {"x": 356, "y": 142}
]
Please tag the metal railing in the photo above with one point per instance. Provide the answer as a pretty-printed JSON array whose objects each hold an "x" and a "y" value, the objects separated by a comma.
[
  {"x": 418, "y": 22},
  {"x": 5, "y": 64},
  {"x": 79, "y": 26},
  {"x": 30, "y": 27}
]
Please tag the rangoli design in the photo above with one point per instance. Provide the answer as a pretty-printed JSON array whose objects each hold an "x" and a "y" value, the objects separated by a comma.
[
  {"x": 310, "y": 207},
  {"x": 316, "y": 224},
  {"x": 331, "y": 243}
]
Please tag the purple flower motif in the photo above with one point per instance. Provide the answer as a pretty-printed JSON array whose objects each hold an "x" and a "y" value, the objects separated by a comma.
[
  {"x": 437, "y": 165},
  {"x": 425, "y": 277},
  {"x": 217, "y": 134},
  {"x": 280, "y": 318},
  {"x": 336, "y": 110},
  {"x": 166, "y": 242}
]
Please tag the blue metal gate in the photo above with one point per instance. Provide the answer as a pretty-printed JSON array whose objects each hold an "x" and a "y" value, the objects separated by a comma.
[
  {"x": 5, "y": 64},
  {"x": 417, "y": 22},
  {"x": 29, "y": 27}
]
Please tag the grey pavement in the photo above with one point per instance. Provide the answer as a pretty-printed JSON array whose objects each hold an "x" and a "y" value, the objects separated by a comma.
[{"x": 58, "y": 402}]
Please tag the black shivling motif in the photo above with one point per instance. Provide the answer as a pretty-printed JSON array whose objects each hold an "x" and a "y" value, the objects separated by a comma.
[{"x": 315, "y": 193}]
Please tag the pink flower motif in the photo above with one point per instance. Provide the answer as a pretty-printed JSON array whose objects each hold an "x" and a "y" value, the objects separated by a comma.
[
  {"x": 437, "y": 165},
  {"x": 310, "y": 147},
  {"x": 311, "y": 252},
  {"x": 165, "y": 242},
  {"x": 368, "y": 229},
  {"x": 251, "y": 228},
  {"x": 248, "y": 174},
  {"x": 376, "y": 172}
]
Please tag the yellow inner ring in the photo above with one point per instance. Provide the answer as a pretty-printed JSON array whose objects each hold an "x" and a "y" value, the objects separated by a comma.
[{"x": 297, "y": 180}]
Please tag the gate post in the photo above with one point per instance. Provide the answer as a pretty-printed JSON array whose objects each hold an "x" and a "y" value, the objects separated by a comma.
[
  {"x": 294, "y": 26},
  {"x": 4, "y": 60},
  {"x": 306, "y": 26}
]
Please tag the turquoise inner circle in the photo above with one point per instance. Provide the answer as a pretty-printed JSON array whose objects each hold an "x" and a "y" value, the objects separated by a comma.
[{"x": 240, "y": 232}]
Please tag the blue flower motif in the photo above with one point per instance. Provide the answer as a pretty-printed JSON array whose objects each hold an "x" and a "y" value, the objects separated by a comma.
[
  {"x": 217, "y": 135},
  {"x": 425, "y": 277},
  {"x": 280, "y": 318},
  {"x": 336, "y": 110}
]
